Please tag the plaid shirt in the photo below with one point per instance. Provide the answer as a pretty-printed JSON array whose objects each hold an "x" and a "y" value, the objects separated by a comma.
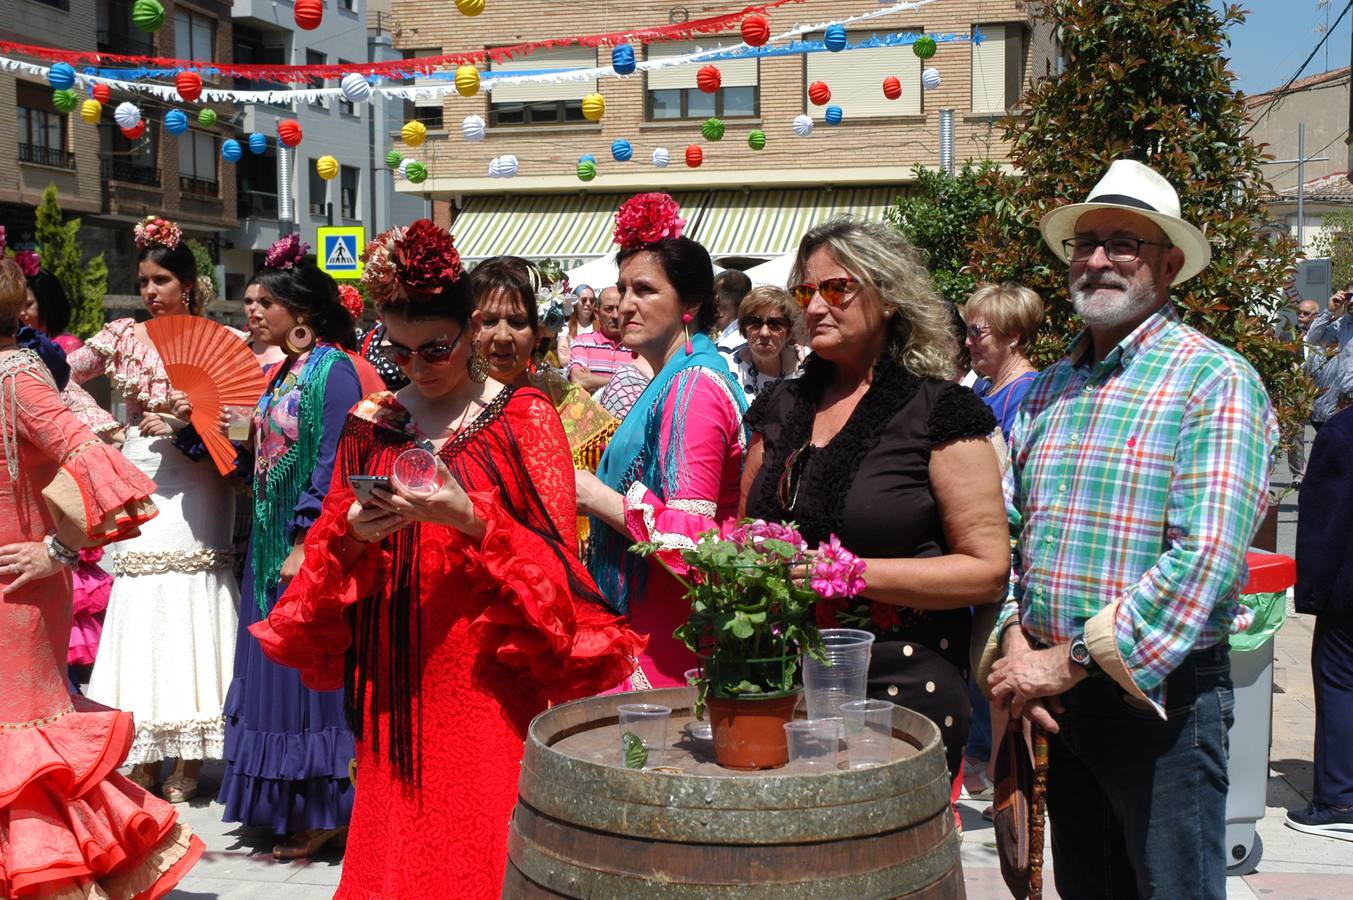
[{"x": 1135, "y": 486}]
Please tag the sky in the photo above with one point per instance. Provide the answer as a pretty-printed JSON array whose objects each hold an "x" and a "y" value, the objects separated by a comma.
[{"x": 1279, "y": 35}]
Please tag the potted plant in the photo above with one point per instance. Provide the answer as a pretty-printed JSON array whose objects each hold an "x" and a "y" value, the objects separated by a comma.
[{"x": 752, "y": 586}]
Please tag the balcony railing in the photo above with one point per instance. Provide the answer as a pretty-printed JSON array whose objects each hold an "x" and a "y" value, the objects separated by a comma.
[
  {"x": 130, "y": 172},
  {"x": 256, "y": 205},
  {"x": 199, "y": 187},
  {"x": 46, "y": 156},
  {"x": 130, "y": 42}
]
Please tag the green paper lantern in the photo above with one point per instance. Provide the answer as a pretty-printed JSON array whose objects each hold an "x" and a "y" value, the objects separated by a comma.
[
  {"x": 587, "y": 170},
  {"x": 416, "y": 172},
  {"x": 65, "y": 100},
  {"x": 206, "y": 118},
  {"x": 712, "y": 128},
  {"x": 924, "y": 48},
  {"x": 393, "y": 159},
  {"x": 148, "y": 15},
  {"x": 757, "y": 140}
]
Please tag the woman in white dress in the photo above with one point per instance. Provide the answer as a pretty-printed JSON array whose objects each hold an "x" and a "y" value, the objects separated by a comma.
[{"x": 169, "y": 634}]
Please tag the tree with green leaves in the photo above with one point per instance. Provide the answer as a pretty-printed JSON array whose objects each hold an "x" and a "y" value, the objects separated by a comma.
[
  {"x": 85, "y": 281},
  {"x": 1336, "y": 242},
  {"x": 1147, "y": 80}
]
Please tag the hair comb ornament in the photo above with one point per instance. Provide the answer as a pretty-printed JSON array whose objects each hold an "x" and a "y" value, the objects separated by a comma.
[{"x": 153, "y": 231}]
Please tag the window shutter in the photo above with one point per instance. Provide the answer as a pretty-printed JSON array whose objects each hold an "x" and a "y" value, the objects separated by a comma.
[
  {"x": 734, "y": 72},
  {"x": 552, "y": 58},
  {"x": 429, "y": 82},
  {"x": 856, "y": 80},
  {"x": 989, "y": 70}
]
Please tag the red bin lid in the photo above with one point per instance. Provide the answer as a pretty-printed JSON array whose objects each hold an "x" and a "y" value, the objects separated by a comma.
[{"x": 1269, "y": 572}]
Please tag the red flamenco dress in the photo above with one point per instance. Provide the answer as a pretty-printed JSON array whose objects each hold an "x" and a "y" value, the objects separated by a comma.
[
  {"x": 447, "y": 646},
  {"x": 70, "y": 825}
]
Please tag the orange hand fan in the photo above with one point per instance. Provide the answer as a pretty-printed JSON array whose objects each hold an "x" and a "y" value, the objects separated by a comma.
[{"x": 206, "y": 361}]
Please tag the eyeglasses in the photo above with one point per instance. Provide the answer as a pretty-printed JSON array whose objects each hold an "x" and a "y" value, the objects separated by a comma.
[
  {"x": 787, "y": 488},
  {"x": 434, "y": 353},
  {"x": 977, "y": 332},
  {"x": 833, "y": 290},
  {"x": 756, "y": 323},
  {"x": 1119, "y": 249}
]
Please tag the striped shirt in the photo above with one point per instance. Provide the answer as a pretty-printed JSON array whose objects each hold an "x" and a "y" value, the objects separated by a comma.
[
  {"x": 1135, "y": 486},
  {"x": 598, "y": 354}
]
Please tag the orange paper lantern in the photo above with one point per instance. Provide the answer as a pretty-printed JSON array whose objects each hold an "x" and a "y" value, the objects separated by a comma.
[
  {"x": 102, "y": 93},
  {"x": 892, "y": 88},
  {"x": 309, "y": 13},
  {"x": 694, "y": 156},
  {"x": 289, "y": 132},
  {"x": 755, "y": 30},
  {"x": 708, "y": 79},
  {"x": 189, "y": 85},
  {"x": 819, "y": 93}
]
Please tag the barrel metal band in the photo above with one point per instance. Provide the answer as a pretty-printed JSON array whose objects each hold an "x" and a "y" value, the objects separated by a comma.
[{"x": 161, "y": 562}]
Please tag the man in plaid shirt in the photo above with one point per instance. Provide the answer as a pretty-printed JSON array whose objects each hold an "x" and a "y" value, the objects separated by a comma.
[{"x": 1138, "y": 477}]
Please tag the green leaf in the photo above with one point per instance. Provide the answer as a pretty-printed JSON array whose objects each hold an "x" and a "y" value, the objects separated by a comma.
[{"x": 636, "y": 754}]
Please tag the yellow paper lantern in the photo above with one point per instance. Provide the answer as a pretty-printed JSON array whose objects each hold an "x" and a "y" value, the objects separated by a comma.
[
  {"x": 470, "y": 7},
  {"x": 327, "y": 167},
  {"x": 594, "y": 107},
  {"x": 414, "y": 133},
  {"x": 91, "y": 111},
  {"x": 467, "y": 80}
]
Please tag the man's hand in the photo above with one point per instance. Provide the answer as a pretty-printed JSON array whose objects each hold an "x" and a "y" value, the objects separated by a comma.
[{"x": 1031, "y": 682}]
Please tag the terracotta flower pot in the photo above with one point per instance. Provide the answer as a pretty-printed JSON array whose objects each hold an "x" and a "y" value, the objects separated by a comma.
[{"x": 749, "y": 734}]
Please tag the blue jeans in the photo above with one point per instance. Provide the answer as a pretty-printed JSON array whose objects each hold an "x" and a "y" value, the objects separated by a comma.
[
  {"x": 979, "y": 731},
  {"x": 1138, "y": 804}
]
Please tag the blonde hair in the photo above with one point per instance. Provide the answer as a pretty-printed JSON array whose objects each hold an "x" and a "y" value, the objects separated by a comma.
[
  {"x": 13, "y": 296},
  {"x": 770, "y": 297},
  {"x": 921, "y": 336},
  {"x": 1012, "y": 310}
]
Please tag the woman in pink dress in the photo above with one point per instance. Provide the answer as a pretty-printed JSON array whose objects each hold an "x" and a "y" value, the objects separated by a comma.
[
  {"x": 672, "y": 470},
  {"x": 70, "y": 825}
]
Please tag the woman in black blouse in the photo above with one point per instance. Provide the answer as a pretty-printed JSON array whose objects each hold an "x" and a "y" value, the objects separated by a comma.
[{"x": 875, "y": 444}]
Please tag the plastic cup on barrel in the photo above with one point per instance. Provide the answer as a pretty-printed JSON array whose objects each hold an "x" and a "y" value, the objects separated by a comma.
[
  {"x": 643, "y": 734},
  {"x": 843, "y": 678},
  {"x": 813, "y": 744},
  {"x": 869, "y": 732}
]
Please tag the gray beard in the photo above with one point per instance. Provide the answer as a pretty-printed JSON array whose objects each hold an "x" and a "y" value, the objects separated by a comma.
[{"x": 1129, "y": 306}]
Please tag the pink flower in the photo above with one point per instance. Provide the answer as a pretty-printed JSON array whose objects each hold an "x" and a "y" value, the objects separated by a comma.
[
  {"x": 761, "y": 531},
  {"x": 286, "y": 252},
  {"x": 154, "y": 230},
  {"x": 646, "y": 219},
  {"x": 836, "y": 572},
  {"x": 4, "y": 240},
  {"x": 29, "y": 262}
]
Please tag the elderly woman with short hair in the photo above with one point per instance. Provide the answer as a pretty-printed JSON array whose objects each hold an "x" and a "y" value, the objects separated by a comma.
[
  {"x": 770, "y": 321},
  {"x": 1003, "y": 322}
]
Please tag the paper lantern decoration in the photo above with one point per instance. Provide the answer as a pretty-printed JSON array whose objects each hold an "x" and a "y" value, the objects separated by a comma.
[
  {"x": 757, "y": 140},
  {"x": 258, "y": 144},
  {"x": 507, "y": 166},
  {"x": 467, "y": 80},
  {"x": 594, "y": 107},
  {"x": 355, "y": 88},
  {"x": 621, "y": 151},
  {"x": 930, "y": 79},
  {"x": 206, "y": 118},
  {"x": 189, "y": 85},
  {"x": 833, "y": 115},
  {"x": 755, "y": 30},
  {"x": 803, "y": 125},
  {"x": 835, "y": 38},
  {"x": 708, "y": 79},
  {"x": 91, "y": 111},
  {"x": 819, "y": 93},
  {"x": 661, "y": 157},
  {"x": 309, "y": 13},
  {"x": 470, "y": 7},
  {"x": 134, "y": 133},
  {"x": 923, "y": 47},
  {"x": 61, "y": 76},
  {"x": 622, "y": 59},
  {"x": 393, "y": 159},
  {"x": 472, "y": 129},
  {"x": 587, "y": 170},
  {"x": 101, "y": 92},
  {"x": 175, "y": 121},
  {"x": 127, "y": 115},
  {"x": 231, "y": 151},
  {"x": 416, "y": 172},
  {"x": 327, "y": 167},
  {"x": 892, "y": 87},
  {"x": 494, "y": 170},
  {"x": 289, "y": 132},
  {"x": 147, "y": 15},
  {"x": 694, "y": 156},
  {"x": 587, "y": 156},
  {"x": 414, "y": 133},
  {"x": 403, "y": 170},
  {"x": 65, "y": 100},
  {"x": 712, "y": 128}
]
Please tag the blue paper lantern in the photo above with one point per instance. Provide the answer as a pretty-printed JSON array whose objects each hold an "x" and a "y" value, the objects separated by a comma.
[
  {"x": 587, "y": 157},
  {"x": 835, "y": 38},
  {"x": 622, "y": 59},
  {"x": 61, "y": 76},
  {"x": 621, "y": 150},
  {"x": 833, "y": 115},
  {"x": 175, "y": 121},
  {"x": 258, "y": 144},
  {"x": 231, "y": 151}
]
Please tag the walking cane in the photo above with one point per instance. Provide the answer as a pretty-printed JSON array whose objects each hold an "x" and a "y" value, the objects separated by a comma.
[{"x": 1037, "y": 809}]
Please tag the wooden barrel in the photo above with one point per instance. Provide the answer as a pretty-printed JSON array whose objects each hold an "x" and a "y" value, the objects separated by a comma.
[{"x": 585, "y": 826}]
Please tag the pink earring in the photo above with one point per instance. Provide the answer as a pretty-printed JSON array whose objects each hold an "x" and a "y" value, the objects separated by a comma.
[{"x": 686, "y": 320}]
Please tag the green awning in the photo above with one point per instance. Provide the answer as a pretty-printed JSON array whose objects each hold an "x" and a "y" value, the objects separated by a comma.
[{"x": 769, "y": 223}]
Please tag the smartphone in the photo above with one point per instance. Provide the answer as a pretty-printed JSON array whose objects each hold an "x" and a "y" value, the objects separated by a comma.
[{"x": 363, "y": 485}]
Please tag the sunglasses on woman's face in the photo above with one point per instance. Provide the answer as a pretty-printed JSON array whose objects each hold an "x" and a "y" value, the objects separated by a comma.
[
  {"x": 832, "y": 290},
  {"x": 434, "y": 353},
  {"x": 756, "y": 323}
]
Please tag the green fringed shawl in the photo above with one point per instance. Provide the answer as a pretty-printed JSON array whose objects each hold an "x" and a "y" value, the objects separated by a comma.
[{"x": 276, "y": 493}]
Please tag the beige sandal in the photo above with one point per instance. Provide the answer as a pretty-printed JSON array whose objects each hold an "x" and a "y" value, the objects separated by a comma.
[
  {"x": 305, "y": 844},
  {"x": 142, "y": 776},
  {"x": 179, "y": 788}
]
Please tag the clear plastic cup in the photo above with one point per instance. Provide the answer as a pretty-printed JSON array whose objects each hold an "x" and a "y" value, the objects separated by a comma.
[
  {"x": 239, "y": 419},
  {"x": 813, "y": 744},
  {"x": 869, "y": 732},
  {"x": 844, "y": 678},
  {"x": 415, "y": 470},
  {"x": 643, "y": 734},
  {"x": 701, "y": 731}
]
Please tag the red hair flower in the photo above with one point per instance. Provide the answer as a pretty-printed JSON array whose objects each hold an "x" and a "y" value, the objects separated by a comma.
[
  {"x": 352, "y": 301},
  {"x": 286, "y": 252},
  {"x": 647, "y": 218},
  {"x": 29, "y": 262},
  {"x": 426, "y": 260}
]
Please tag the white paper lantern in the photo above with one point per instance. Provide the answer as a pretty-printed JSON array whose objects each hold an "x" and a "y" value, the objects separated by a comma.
[
  {"x": 493, "y": 168},
  {"x": 507, "y": 165},
  {"x": 661, "y": 157},
  {"x": 930, "y": 79},
  {"x": 803, "y": 125},
  {"x": 404, "y": 167},
  {"x": 355, "y": 88},
  {"x": 472, "y": 128},
  {"x": 127, "y": 115}
]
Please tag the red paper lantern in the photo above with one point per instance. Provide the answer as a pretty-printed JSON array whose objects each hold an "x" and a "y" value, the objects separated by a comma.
[
  {"x": 132, "y": 134},
  {"x": 289, "y": 132},
  {"x": 708, "y": 79},
  {"x": 755, "y": 30},
  {"x": 819, "y": 93},
  {"x": 189, "y": 85},
  {"x": 892, "y": 88},
  {"x": 694, "y": 156},
  {"x": 309, "y": 13},
  {"x": 102, "y": 93}
]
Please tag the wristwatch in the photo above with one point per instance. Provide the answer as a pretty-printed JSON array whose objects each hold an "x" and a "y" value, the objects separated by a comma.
[{"x": 1080, "y": 654}]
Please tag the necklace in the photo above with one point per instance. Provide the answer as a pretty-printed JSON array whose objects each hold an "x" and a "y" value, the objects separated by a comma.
[{"x": 1019, "y": 369}]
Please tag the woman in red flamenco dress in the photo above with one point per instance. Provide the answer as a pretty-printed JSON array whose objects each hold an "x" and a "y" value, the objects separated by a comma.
[
  {"x": 70, "y": 825},
  {"x": 452, "y": 617}
]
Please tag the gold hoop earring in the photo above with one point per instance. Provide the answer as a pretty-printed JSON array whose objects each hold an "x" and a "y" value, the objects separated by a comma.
[{"x": 478, "y": 366}]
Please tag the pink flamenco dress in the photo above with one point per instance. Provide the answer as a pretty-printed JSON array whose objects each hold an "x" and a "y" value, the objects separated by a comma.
[{"x": 70, "y": 825}]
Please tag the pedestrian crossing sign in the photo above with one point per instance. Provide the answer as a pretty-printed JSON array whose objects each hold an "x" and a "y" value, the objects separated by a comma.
[{"x": 340, "y": 250}]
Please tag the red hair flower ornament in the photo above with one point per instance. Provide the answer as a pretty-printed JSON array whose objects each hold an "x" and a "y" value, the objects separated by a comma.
[
  {"x": 286, "y": 252},
  {"x": 647, "y": 218},
  {"x": 29, "y": 262},
  {"x": 422, "y": 259},
  {"x": 352, "y": 301},
  {"x": 154, "y": 231}
]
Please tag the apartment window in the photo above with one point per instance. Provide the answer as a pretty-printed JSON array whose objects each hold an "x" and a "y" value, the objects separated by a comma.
[
  {"x": 344, "y": 106},
  {"x": 997, "y": 68},
  {"x": 856, "y": 80},
  {"x": 316, "y": 58},
  {"x": 131, "y": 161},
  {"x": 427, "y": 110},
  {"x": 348, "y": 178},
  {"x": 543, "y": 104},
  {"x": 319, "y": 191},
  {"x": 672, "y": 93},
  {"x": 348, "y": 5},
  {"x": 41, "y": 129},
  {"x": 58, "y": 4},
  {"x": 115, "y": 33},
  {"x": 194, "y": 36},
  {"x": 254, "y": 46},
  {"x": 197, "y": 164},
  {"x": 256, "y": 185}
]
